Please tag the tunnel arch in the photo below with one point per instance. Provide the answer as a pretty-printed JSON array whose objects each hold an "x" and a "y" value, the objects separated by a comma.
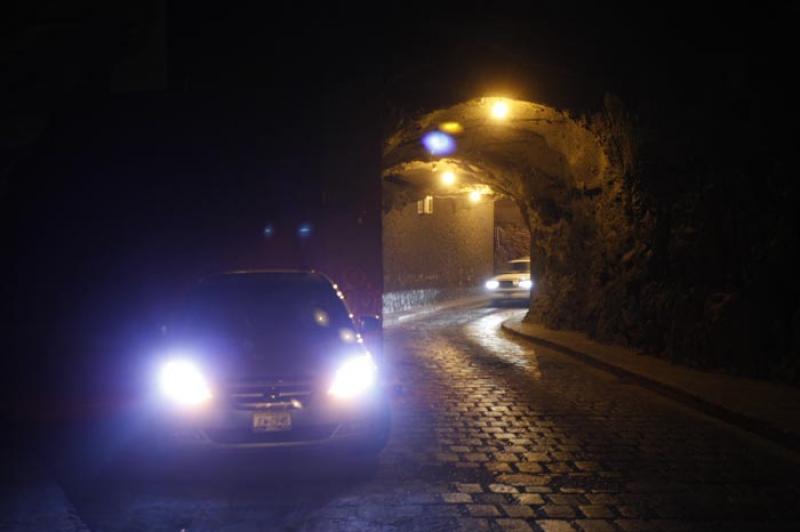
[{"x": 553, "y": 165}]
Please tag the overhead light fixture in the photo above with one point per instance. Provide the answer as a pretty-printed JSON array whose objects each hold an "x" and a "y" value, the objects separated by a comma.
[
  {"x": 454, "y": 128},
  {"x": 475, "y": 196},
  {"x": 499, "y": 110},
  {"x": 448, "y": 178}
]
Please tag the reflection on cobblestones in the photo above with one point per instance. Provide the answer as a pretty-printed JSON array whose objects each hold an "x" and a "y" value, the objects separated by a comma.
[
  {"x": 490, "y": 435},
  {"x": 484, "y": 333}
]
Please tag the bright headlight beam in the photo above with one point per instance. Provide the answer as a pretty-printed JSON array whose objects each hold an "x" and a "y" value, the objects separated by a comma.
[
  {"x": 526, "y": 284},
  {"x": 492, "y": 284},
  {"x": 183, "y": 383},
  {"x": 354, "y": 377}
]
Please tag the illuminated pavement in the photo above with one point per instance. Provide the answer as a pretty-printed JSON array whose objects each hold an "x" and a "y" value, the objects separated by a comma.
[{"x": 489, "y": 433}]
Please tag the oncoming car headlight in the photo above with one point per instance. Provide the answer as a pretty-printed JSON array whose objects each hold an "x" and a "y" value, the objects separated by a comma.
[
  {"x": 355, "y": 376},
  {"x": 526, "y": 284},
  {"x": 183, "y": 383},
  {"x": 492, "y": 284}
]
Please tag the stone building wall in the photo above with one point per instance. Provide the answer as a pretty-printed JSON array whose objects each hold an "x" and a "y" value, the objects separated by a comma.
[{"x": 433, "y": 257}]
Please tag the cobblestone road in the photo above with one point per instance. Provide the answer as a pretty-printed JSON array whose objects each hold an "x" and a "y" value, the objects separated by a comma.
[{"x": 488, "y": 434}]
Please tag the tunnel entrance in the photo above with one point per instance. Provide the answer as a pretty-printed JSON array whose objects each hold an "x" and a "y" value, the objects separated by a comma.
[
  {"x": 470, "y": 187},
  {"x": 443, "y": 247}
]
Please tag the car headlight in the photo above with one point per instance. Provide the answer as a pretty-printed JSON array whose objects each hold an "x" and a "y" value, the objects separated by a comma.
[
  {"x": 183, "y": 383},
  {"x": 527, "y": 284},
  {"x": 354, "y": 377},
  {"x": 492, "y": 284}
]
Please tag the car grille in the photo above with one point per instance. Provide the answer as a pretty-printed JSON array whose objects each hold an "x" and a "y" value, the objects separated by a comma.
[
  {"x": 506, "y": 284},
  {"x": 266, "y": 394},
  {"x": 237, "y": 436}
]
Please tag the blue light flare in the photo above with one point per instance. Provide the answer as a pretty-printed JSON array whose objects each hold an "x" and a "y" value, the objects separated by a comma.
[
  {"x": 305, "y": 230},
  {"x": 438, "y": 143}
]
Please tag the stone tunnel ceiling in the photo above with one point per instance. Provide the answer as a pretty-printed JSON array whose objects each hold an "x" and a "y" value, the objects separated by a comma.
[
  {"x": 552, "y": 165},
  {"x": 565, "y": 174},
  {"x": 639, "y": 235},
  {"x": 537, "y": 156}
]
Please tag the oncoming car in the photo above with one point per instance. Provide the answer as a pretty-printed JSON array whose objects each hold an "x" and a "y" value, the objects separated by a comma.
[
  {"x": 514, "y": 284},
  {"x": 269, "y": 359}
]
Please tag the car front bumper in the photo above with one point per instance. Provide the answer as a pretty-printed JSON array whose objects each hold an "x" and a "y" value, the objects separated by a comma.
[
  {"x": 510, "y": 293},
  {"x": 222, "y": 428}
]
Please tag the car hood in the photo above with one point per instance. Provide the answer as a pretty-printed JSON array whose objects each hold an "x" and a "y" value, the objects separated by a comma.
[{"x": 234, "y": 359}]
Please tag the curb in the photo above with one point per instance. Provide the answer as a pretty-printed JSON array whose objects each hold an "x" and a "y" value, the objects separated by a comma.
[{"x": 744, "y": 422}]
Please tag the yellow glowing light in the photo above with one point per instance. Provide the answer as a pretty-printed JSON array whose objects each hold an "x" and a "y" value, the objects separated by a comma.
[
  {"x": 453, "y": 128},
  {"x": 475, "y": 196},
  {"x": 500, "y": 110},
  {"x": 448, "y": 178}
]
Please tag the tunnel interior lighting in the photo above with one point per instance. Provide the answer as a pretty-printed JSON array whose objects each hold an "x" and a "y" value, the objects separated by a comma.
[
  {"x": 448, "y": 178},
  {"x": 475, "y": 196},
  {"x": 499, "y": 110},
  {"x": 453, "y": 128}
]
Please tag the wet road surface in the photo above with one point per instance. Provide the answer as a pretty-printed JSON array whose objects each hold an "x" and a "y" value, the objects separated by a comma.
[{"x": 489, "y": 433}]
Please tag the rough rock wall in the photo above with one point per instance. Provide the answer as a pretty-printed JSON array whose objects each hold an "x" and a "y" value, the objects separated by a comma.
[
  {"x": 669, "y": 227},
  {"x": 511, "y": 241},
  {"x": 684, "y": 252}
]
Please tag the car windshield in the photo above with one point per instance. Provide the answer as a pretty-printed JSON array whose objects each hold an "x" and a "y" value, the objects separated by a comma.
[
  {"x": 520, "y": 267},
  {"x": 279, "y": 309}
]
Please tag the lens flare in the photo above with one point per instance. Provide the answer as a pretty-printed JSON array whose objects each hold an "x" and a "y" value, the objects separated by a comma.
[
  {"x": 321, "y": 317},
  {"x": 438, "y": 143},
  {"x": 304, "y": 230}
]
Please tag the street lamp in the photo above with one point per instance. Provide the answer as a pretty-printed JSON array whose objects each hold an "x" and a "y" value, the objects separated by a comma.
[
  {"x": 448, "y": 178},
  {"x": 475, "y": 196}
]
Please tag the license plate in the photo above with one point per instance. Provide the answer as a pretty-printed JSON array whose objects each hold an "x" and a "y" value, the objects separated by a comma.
[{"x": 272, "y": 421}]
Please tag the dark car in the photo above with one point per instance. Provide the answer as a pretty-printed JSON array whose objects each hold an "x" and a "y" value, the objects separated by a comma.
[{"x": 269, "y": 359}]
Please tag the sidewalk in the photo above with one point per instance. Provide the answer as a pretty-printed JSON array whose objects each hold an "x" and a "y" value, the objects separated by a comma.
[{"x": 768, "y": 409}]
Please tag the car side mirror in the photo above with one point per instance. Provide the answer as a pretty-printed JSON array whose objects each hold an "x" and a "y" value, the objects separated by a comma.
[{"x": 371, "y": 324}]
